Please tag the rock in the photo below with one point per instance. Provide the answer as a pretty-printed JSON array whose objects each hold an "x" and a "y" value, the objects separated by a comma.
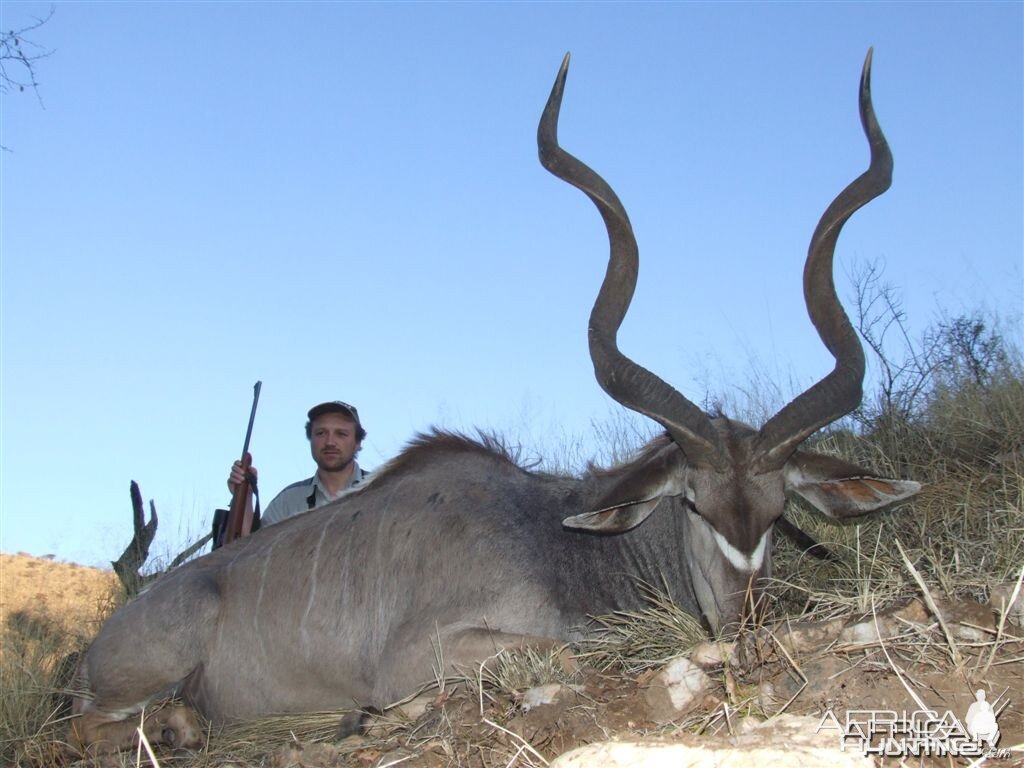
[
  {"x": 999, "y": 602},
  {"x": 795, "y": 730},
  {"x": 711, "y": 655},
  {"x": 965, "y": 619},
  {"x": 413, "y": 709},
  {"x": 916, "y": 612},
  {"x": 768, "y": 699},
  {"x": 394, "y": 757},
  {"x": 968, "y": 620},
  {"x": 675, "y": 690},
  {"x": 970, "y": 634},
  {"x": 868, "y": 631},
  {"x": 540, "y": 695},
  {"x": 787, "y": 741},
  {"x": 305, "y": 755},
  {"x": 808, "y": 637}
]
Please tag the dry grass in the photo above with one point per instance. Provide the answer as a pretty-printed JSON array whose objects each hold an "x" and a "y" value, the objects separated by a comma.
[
  {"x": 49, "y": 612},
  {"x": 69, "y": 596},
  {"x": 964, "y": 534},
  {"x": 638, "y": 640},
  {"x": 511, "y": 672}
]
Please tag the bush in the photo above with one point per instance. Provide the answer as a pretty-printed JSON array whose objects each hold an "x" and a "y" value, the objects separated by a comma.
[{"x": 947, "y": 411}]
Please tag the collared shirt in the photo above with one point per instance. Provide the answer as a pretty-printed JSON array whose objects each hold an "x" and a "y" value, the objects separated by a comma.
[{"x": 306, "y": 495}]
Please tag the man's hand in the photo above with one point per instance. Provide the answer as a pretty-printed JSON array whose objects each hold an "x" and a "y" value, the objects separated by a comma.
[{"x": 238, "y": 475}]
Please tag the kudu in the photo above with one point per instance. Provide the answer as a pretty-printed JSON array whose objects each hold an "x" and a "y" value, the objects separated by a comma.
[{"x": 454, "y": 545}]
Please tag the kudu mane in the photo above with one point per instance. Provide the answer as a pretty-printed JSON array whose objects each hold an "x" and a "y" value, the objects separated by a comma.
[{"x": 426, "y": 448}]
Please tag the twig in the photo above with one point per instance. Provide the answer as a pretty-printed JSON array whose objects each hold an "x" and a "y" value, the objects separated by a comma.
[
  {"x": 913, "y": 694},
  {"x": 439, "y": 663},
  {"x": 796, "y": 667},
  {"x": 480, "y": 678},
  {"x": 930, "y": 602},
  {"x": 516, "y": 736},
  {"x": 144, "y": 742}
]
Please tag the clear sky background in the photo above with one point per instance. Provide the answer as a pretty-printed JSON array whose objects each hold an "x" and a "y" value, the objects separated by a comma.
[{"x": 344, "y": 200}]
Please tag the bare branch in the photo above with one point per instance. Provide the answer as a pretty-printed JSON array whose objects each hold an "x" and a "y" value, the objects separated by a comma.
[{"x": 19, "y": 55}]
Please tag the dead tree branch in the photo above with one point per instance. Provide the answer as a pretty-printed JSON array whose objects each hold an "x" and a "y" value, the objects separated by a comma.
[{"x": 128, "y": 566}]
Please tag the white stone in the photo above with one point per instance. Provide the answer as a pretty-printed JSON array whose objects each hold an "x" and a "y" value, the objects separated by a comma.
[
  {"x": 661, "y": 755},
  {"x": 866, "y": 632},
  {"x": 787, "y": 741},
  {"x": 675, "y": 689},
  {"x": 711, "y": 655},
  {"x": 539, "y": 696}
]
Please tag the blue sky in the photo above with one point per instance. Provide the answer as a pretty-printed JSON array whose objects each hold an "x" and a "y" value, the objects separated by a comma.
[{"x": 344, "y": 201}]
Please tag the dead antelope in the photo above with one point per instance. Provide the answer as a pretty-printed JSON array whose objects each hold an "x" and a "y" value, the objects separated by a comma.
[{"x": 454, "y": 544}]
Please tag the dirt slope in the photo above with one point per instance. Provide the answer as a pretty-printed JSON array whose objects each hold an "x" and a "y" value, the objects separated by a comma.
[{"x": 66, "y": 595}]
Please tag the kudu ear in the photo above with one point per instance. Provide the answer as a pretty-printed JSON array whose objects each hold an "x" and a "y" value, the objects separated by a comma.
[
  {"x": 840, "y": 489},
  {"x": 640, "y": 487}
]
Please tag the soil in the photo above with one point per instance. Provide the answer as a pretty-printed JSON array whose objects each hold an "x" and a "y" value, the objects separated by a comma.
[{"x": 608, "y": 706}]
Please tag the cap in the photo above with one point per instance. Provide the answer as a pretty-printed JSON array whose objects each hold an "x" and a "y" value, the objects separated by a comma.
[{"x": 335, "y": 406}]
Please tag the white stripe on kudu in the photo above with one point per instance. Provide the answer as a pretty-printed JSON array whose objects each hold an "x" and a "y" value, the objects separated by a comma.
[{"x": 741, "y": 562}]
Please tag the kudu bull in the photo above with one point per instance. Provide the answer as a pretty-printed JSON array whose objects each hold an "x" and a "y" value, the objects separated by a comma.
[{"x": 454, "y": 544}]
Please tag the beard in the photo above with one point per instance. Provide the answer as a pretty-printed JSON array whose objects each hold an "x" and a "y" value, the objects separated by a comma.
[{"x": 334, "y": 462}]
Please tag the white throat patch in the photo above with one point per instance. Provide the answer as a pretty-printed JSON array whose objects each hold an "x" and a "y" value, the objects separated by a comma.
[{"x": 746, "y": 563}]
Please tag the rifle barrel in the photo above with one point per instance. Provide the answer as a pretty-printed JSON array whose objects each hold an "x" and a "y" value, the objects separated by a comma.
[{"x": 252, "y": 417}]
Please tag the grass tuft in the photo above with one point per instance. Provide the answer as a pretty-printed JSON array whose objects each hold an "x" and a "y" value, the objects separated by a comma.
[{"x": 637, "y": 640}]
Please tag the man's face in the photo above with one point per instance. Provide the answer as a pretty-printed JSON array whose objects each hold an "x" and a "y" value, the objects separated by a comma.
[{"x": 332, "y": 441}]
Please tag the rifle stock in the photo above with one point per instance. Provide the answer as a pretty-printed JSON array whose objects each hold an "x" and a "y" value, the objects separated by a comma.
[{"x": 240, "y": 513}]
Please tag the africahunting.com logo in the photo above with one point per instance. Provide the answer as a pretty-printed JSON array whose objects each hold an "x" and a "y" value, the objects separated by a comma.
[{"x": 920, "y": 733}]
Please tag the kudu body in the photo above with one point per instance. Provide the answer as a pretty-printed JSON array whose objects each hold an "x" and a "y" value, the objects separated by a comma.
[{"x": 453, "y": 544}]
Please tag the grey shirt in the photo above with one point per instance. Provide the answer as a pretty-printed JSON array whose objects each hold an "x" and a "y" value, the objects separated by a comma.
[{"x": 306, "y": 495}]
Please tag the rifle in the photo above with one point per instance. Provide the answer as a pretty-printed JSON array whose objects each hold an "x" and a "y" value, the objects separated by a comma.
[{"x": 238, "y": 521}]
